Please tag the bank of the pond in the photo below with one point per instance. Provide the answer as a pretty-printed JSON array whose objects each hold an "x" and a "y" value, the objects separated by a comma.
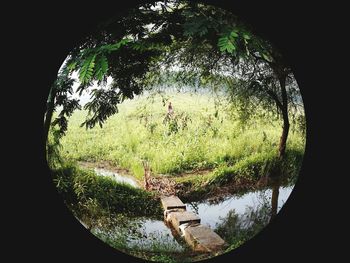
[
  {"x": 252, "y": 173},
  {"x": 236, "y": 218},
  {"x": 245, "y": 175},
  {"x": 81, "y": 187}
]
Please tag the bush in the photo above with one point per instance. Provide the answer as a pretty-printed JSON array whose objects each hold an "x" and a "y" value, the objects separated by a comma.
[
  {"x": 79, "y": 186},
  {"x": 258, "y": 165}
]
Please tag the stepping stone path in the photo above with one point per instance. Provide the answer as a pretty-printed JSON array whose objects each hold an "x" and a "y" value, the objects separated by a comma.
[{"x": 187, "y": 224}]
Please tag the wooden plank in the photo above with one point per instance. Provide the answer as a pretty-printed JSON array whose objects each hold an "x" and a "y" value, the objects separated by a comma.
[
  {"x": 178, "y": 218},
  {"x": 203, "y": 239},
  {"x": 172, "y": 202}
]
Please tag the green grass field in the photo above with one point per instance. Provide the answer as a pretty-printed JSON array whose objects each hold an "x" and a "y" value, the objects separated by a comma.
[{"x": 202, "y": 135}]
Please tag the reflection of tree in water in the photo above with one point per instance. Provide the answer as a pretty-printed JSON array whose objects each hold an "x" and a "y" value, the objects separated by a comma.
[
  {"x": 274, "y": 199},
  {"x": 235, "y": 228}
]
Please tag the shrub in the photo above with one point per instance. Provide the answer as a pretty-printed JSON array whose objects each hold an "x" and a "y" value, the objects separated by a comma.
[{"x": 79, "y": 186}]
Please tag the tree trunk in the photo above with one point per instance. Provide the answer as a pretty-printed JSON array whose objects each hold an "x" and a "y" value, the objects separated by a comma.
[
  {"x": 284, "y": 136},
  {"x": 285, "y": 131},
  {"x": 49, "y": 113}
]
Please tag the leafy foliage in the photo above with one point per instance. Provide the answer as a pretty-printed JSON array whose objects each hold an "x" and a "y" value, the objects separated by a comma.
[
  {"x": 103, "y": 106},
  {"x": 101, "y": 67},
  {"x": 227, "y": 42},
  {"x": 92, "y": 63},
  {"x": 87, "y": 69},
  {"x": 63, "y": 87},
  {"x": 196, "y": 25}
]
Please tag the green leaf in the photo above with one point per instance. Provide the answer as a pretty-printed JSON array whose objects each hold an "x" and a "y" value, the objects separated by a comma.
[
  {"x": 101, "y": 67},
  {"x": 233, "y": 34},
  {"x": 222, "y": 49},
  {"x": 86, "y": 71},
  {"x": 266, "y": 57},
  {"x": 225, "y": 44}
]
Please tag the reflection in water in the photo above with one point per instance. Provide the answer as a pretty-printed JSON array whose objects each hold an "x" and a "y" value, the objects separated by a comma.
[
  {"x": 274, "y": 199},
  {"x": 115, "y": 176},
  {"x": 210, "y": 213},
  {"x": 138, "y": 234},
  {"x": 236, "y": 227},
  {"x": 235, "y": 218}
]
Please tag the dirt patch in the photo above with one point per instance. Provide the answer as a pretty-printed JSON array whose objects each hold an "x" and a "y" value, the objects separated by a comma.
[
  {"x": 162, "y": 186},
  {"x": 189, "y": 191}
]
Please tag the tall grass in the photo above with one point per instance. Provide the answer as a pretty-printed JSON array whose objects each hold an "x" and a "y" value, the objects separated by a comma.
[{"x": 203, "y": 135}]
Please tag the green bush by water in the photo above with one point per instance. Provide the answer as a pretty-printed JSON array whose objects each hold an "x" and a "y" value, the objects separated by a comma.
[
  {"x": 82, "y": 187},
  {"x": 256, "y": 166}
]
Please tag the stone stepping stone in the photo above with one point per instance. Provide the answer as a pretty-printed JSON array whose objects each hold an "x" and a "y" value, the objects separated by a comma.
[
  {"x": 178, "y": 218},
  {"x": 172, "y": 202},
  {"x": 203, "y": 239}
]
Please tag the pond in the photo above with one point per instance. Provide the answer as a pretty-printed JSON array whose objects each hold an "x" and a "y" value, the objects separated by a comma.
[
  {"x": 148, "y": 234},
  {"x": 211, "y": 212}
]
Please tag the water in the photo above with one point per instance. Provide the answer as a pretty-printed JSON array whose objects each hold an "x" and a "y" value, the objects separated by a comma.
[
  {"x": 117, "y": 177},
  {"x": 155, "y": 231},
  {"x": 210, "y": 213},
  {"x": 149, "y": 234},
  {"x": 141, "y": 234}
]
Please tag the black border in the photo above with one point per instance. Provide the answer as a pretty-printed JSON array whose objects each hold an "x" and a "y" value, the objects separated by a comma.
[{"x": 48, "y": 231}]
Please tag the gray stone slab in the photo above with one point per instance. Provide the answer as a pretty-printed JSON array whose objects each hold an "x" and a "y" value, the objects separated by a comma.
[
  {"x": 203, "y": 239},
  {"x": 178, "y": 218},
  {"x": 172, "y": 202},
  {"x": 168, "y": 212}
]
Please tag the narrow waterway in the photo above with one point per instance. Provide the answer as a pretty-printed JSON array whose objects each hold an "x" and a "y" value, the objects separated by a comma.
[
  {"x": 116, "y": 176},
  {"x": 148, "y": 234}
]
